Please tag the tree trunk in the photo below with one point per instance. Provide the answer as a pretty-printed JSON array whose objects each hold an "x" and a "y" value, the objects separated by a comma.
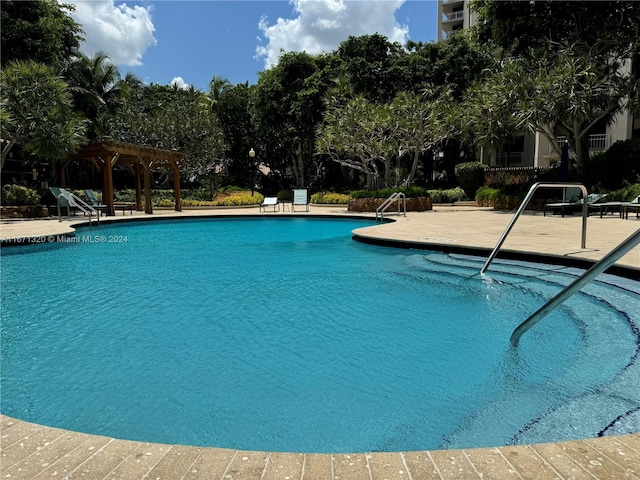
[{"x": 582, "y": 151}]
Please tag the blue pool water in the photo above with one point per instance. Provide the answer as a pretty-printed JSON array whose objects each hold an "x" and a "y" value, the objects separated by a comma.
[{"x": 287, "y": 335}]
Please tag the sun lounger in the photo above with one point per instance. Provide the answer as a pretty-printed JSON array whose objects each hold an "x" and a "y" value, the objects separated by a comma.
[
  {"x": 632, "y": 206},
  {"x": 94, "y": 201},
  {"x": 269, "y": 202},
  {"x": 570, "y": 207},
  {"x": 613, "y": 207},
  {"x": 300, "y": 198}
]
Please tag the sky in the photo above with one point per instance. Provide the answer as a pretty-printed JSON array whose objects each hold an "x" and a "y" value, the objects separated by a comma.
[{"x": 189, "y": 41}]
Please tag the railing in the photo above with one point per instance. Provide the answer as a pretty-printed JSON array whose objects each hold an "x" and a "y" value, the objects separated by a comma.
[
  {"x": 597, "y": 143},
  {"x": 576, "y": 285},
  {"x": 395, "y": 197},
  {"x": 75, "y": 201},
  {"x": 510, "y": 158},
  {"x": 453, "y": 16},
  {"x": 525, "y": 202}
]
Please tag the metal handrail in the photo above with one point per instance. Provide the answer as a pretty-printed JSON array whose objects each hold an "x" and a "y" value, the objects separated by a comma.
[
  {"x": 576, "y": 285},
  {"x": 394, "y": 197},
  {"x": 532, "y": 190},
  {"x": 75, "y": 201}
]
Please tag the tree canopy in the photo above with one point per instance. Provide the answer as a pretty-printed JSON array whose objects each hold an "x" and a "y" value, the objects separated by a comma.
[{"x": 39, "y": 30}]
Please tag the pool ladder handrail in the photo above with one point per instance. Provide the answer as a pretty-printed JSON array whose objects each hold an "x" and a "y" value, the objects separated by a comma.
[
  {"x": 525, "y": 202},
  {"x": 606, "y": 261},
  {"x": 394, "y": 197},
  {"x": 75, "y": 201}
]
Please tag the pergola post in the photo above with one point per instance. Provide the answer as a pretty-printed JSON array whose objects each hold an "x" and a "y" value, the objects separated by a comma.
[
  {"x": 176, "y": 187},
  {"x": 148, "y": 206},
  {"x": 136, "y": 170},
  {"x": 107, "y": 178}
]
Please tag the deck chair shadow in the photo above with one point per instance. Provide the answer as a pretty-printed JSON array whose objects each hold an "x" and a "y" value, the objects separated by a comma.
[
  {"x": 269, "y": 202},
  {"x": 300, "y": 198},
  {"x": 570, "y": 207}
]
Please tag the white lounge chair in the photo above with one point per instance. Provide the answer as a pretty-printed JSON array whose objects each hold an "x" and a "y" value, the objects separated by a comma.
[
  {"x": 269, "y": 202},
  {"x": 300, "y": 198}
]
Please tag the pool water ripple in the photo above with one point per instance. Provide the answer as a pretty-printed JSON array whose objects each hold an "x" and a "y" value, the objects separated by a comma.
[{"x": 285, "y": 334}]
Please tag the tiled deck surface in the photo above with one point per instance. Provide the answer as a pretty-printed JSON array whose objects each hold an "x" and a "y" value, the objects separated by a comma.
[{"x": 33, "y": 451}]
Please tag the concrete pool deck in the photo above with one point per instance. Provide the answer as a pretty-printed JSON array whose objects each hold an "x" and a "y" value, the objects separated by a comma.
[{"x": 29, "y": 450}]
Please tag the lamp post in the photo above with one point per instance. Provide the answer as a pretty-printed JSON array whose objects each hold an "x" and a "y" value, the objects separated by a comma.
[{"x": 252, "y": 154}]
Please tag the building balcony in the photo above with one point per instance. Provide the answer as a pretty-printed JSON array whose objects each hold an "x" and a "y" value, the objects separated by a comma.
[
  {"x": 453, "y": 16},
  {"x": 597, "y": 143},
  {"x": 509, "y": 159}
]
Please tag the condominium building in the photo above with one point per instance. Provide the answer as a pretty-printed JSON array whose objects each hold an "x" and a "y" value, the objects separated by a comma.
[{"x": 532, "y": 150}]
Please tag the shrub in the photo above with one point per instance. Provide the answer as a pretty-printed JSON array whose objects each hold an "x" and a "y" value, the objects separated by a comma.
[
  {"x": 330, "y": 198},
  {"x": 625, "y": 194},
  {"x": 448, "y": 196},
  {"x": 618, "y": 166},
  {"x": 410, "y": 192},
  {"x": 470, "y": 176},
  {"x": 19, "y": 195},
  {"x": 285, "y": 195},
  {"x": 237, "y": 198},
  {"x": 488, "y": 194}
]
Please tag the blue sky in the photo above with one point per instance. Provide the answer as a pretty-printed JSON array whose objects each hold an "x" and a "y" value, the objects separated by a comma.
[{"x": 165, "y": 41}]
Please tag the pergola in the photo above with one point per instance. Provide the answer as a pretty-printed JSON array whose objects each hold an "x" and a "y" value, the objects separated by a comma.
[{"x": 106, "y": 154}]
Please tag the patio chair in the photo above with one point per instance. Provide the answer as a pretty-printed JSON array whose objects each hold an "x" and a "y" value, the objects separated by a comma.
[
  {"x": 300, "y": 198},
  {"x": 576, "y": 205},
  {"x": 269, "y": 202}
]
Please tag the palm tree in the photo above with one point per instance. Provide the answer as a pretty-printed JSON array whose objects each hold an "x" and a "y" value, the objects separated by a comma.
[{"x": 95, "y": 86}]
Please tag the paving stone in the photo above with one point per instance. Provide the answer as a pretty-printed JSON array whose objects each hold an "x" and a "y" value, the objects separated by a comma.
[
  {"x": 350, "y": 467},
  {"x": 210, "y": 463},
  {"x": 284, "y": 466}
]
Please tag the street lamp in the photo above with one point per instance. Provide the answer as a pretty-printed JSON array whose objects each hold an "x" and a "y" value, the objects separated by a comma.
[{"x": 252, "y": 154}]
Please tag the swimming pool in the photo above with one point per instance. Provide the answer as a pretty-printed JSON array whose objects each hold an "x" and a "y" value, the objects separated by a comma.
[{"x": 285, "y": 335}]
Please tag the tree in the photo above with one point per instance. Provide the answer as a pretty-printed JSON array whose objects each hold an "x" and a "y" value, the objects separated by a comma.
[
  {"x": 37, "y": 112},
  {"x": 568, "y": 96},
  {"x": 168, "y": 117},
  {"x": 287, "y": 105},
  {"x": 526, "y": 28},
  {"x": 422, "y": 125},
  {"x": 95, "y": 86},
  {"x": 568, "y": 70},
  {"x": 375, "y": 67},
  {"x": 350, "y": 135},
  {"x": 39, "y": 30}
]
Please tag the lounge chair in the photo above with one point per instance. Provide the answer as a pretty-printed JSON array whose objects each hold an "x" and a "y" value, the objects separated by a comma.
[
  {"x": 94, "y": 201},
  {"x": 606, "y": 207},
  {"x": 269, "y": 202},
  {"x": 62, "y": 195},
  {"x": 300, "y": 198},
  {"x": 576, "y": 205},
  {"x": 66, "y": 199},
  {"x": 632, "y": 206}
]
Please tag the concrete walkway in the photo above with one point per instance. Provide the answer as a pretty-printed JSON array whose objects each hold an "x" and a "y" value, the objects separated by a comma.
[{"x": 30, "y": 451}]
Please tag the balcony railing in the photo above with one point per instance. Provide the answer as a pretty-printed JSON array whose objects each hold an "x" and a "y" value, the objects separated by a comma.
[
  {"x": 453, "y": 16},
  {"x": 509, "y": 159},
  {"x": 597, "y": 143}
]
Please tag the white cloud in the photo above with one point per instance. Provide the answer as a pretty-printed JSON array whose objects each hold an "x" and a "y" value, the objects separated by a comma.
[
  {"x": 179, "y": 83},
  {"x": 321, "y": 25},
  {"x": 122, "y": 32}
]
